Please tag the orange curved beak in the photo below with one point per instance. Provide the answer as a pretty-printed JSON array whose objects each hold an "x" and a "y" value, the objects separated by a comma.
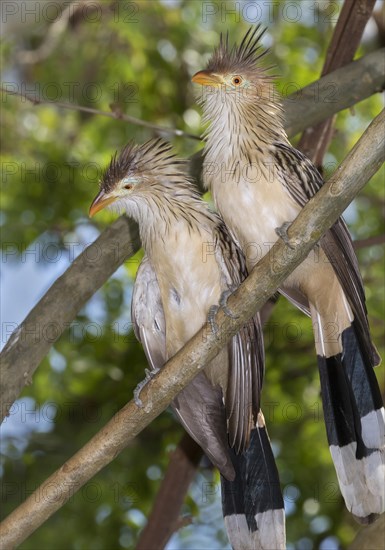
[
  {"x": 207, "y": 79},
  {"x": 100, "y": 201}
]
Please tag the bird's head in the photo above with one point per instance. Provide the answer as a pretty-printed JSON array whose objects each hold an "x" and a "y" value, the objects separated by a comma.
[
  {"x": 136, "y": 173},
  {"x": 234, "y": 72}
]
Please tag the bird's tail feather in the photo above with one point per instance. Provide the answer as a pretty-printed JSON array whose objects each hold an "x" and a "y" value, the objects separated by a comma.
[
  {"x": 252, "y": 503},
  {"x": 355, "y": 425}
]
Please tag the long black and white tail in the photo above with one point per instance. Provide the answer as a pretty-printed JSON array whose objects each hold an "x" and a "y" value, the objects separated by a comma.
[
  {"x": 252, "y": 503},
  {"x": 355, "y": 424}
]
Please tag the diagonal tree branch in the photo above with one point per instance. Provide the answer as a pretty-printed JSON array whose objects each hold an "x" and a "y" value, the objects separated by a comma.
[
  {"x": 316, "y": 217},
  {"x": 348, "y": 33},
  {"x": 32, "y": 340},
  {"x": 335, "y": 91},
  {"x": 345, "y": 41}
]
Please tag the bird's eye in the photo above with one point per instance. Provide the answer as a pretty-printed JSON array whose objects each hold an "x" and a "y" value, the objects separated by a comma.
[
  {"x": 128, "y": 182},
  {"x": 237, "y": 80}
]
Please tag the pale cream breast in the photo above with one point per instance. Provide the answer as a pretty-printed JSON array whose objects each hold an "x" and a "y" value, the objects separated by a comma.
[
  {"x": 253, "y": 203},
  {"x": 189, "y": 280}
]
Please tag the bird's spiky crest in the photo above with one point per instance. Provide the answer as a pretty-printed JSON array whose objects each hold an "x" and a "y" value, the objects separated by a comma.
[
  {"x": 155, "y": 157},
  {"x": 164, "y": 193},
  {"x": 245, "y": 119},
  {"x": 237, "y": 59}
]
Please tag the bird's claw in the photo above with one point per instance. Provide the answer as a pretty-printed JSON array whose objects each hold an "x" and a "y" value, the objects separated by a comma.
[
  {"x": 149, "y": 376},
  {"x": 226, "y": 310},
  {"x": 211, "y": 319},
  {"x": 282, "y": 233},
  {"x": 223, "y": 302}
]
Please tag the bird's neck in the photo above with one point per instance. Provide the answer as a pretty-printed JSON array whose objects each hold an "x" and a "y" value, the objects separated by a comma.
[
  {"x": 240, "y": 130},
  {"x": 163, "y": 216}
]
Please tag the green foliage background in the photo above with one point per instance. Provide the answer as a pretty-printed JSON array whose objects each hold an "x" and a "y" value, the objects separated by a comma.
[{"x": 140, "y": 57}]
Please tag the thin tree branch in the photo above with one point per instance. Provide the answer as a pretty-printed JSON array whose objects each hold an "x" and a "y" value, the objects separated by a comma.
[
  {"x": 165, "y": 520},
  {"x": 369, "y": 241},
  {"x": 31, "y": 341},
  {"x": 316, "y": 217},
  {"x": 345, "y": 41},
  {"x": 114, "y": 113}
]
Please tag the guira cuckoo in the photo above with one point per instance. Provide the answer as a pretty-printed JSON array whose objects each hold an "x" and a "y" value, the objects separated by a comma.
[
  {"x": 190, "y": 260},
  {"x": 259, "y": 182}
]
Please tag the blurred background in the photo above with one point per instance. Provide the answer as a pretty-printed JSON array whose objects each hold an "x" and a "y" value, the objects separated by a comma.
[{"x": 137, "y": 58}]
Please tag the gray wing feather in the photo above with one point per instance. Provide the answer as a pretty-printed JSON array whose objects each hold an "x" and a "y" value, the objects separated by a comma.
[
  {"x": 302, "y": 180},
  {"x": 200, "y": 410},
  {"x": 199, "y": 406},
  {"x": 246, "y": 351},
  {"x": 147, "y": 315}
]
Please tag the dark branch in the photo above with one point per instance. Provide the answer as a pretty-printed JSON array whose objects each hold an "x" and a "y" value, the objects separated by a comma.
[
  {"x": 345, "y": 41},
  {"x": 164, "y": 520},
  {"x": 369, "y": 241}
]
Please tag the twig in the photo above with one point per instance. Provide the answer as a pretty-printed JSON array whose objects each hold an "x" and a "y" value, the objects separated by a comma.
[
  {"x": 312, "y": 104},
  {"x": 315, "y": 218},
  {"x": 116, "y": 114}
]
